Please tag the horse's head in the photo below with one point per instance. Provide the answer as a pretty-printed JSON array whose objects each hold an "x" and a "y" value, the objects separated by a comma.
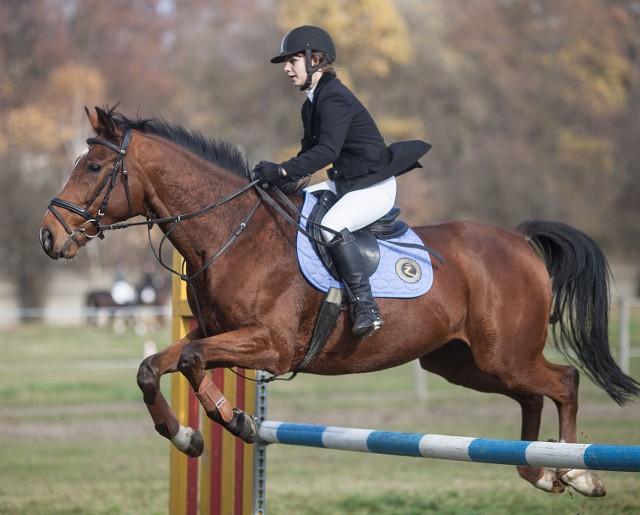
[{"x": 98, "y": 191}]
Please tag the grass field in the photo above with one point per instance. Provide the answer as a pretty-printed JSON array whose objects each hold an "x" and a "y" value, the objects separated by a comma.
[{"x": 75, "y": 438}]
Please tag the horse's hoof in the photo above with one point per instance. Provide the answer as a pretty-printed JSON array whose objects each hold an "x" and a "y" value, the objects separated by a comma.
[
  {"x": 189, "y": 441},
  {"x": 543, "y": 479},
  {"x": 582, "y": 481},
  {"x": 242, "y": 425},
  {"x": 196, "y": 447},
  {"x": 249, "y": 431}
]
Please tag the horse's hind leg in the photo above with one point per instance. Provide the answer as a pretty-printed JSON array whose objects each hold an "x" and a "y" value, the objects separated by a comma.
[
  {"x": 536, "y": 376},
  {"x": 455, "y": 363},
  {"x": 185, "y": 439},
  {"x": 561, "y": 385}
]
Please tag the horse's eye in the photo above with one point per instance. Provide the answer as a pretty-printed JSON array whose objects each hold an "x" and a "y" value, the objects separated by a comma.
[{"x": 93, "y": 167}]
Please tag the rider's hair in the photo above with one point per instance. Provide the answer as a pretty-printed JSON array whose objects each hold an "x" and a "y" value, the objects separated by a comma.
[{"x": 327, "y": 68}]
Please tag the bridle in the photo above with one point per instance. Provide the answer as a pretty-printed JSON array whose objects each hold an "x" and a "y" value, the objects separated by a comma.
[{"x": 109, "y": 182}]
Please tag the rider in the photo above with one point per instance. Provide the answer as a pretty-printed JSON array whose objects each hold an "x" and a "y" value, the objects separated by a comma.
[
  {"x": 122, "y": 292},
  {"x": 339, "y": 131}
]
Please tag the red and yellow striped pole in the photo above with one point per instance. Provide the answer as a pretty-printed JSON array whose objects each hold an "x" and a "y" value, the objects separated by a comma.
[{"x": 228, "y": 479}]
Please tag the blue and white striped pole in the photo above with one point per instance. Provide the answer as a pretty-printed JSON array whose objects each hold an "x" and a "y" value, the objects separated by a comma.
[{"x": 459, "y": 448}]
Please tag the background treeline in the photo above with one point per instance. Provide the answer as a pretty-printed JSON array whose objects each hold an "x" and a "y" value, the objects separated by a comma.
[{"x": 532, "y": 106}]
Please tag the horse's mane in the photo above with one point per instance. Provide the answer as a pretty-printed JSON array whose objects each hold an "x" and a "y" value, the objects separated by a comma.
[{"x": 218, "y": 152}]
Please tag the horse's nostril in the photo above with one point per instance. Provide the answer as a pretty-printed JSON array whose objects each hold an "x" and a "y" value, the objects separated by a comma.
[{"x": 46, "y": 240}]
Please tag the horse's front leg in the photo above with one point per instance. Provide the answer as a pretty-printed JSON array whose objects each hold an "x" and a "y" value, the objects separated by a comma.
[
  {"x": 185, "y": 439},
  {"x": 246, "y": 348}
]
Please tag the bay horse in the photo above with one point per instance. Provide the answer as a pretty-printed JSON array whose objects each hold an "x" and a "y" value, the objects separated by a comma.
[{"x": 483, "y": 325}]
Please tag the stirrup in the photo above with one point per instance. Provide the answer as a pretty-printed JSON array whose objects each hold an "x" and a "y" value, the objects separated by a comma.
[
  {"x": 374, "y": 328},
  {"x": 365, "y": 332}
]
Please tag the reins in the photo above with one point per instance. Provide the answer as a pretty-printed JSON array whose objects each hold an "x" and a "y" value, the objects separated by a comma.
[
  {"x": 176, "y": 219},
  {"x": 292, "y": 220}
]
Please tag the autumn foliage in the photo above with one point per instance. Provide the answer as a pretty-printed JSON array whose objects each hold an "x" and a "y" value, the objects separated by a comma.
[{"x": 532, "y": 106}]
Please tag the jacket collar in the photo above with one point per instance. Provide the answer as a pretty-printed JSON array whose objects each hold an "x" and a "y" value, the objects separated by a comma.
[
  {"x": 310, "y": 107},
  {"x": 324, "y": 80}
]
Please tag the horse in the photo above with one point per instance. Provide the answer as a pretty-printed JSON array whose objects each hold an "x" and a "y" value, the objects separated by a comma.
[
  {"x": 100, "y": 302},
  {"x": 97, "y": 301},
  {"x": 483, "y": 324}
]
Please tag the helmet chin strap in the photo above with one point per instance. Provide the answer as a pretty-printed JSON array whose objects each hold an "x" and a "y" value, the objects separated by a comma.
[{"x": 311, "y": 69}]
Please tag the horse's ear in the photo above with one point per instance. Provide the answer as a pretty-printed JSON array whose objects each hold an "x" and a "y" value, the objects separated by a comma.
[
  {"x": 105, "y": 123},
  {"x": 93, "y": 120}
]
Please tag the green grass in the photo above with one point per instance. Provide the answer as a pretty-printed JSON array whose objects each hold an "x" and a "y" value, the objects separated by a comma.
[
  {"x": 75, "y": 438},
  {"x": 85, "y": 474},
  {"x": 334, "y": 482}
]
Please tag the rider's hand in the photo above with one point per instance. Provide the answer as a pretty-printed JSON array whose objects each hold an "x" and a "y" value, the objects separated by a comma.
[{"x": 268, "y": 172}]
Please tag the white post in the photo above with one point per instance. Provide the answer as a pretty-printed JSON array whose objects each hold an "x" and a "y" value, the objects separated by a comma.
[{"x": 421, "y": 381}]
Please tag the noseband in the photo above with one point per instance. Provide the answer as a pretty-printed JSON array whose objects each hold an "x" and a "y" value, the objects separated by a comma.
[{"x": 109, "y": 183}]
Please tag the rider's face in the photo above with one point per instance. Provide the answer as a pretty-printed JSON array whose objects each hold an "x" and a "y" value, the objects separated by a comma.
[{"x": 296, "y": 69}]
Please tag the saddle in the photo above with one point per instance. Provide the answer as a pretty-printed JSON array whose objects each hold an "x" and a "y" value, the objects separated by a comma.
[{"x": 386, "y": 228}]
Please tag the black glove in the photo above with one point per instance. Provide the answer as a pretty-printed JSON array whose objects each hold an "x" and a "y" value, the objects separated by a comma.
[{"x": 268, "y": 172}]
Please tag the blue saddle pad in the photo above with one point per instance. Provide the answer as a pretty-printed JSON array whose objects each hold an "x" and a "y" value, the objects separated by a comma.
[{"x": 402, "y": 272}]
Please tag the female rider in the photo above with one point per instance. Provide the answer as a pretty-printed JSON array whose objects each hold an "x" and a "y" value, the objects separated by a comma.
[{"x": 339, "y": 131}]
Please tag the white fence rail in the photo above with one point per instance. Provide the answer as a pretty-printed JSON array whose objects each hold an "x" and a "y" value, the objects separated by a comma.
[
  {"x": 71, "y": 315},
  {"x": 626, "y": 351}
]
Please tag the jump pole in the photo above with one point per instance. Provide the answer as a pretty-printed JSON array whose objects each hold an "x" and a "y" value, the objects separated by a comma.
[
  {"x": 230, "y": 476},
  {"x": 619, "y": 458}
]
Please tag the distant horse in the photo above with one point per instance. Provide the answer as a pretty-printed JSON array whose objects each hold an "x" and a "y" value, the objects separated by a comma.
[
  {"x": 101, "y": 302},
  {"x": 483, "y": 325}
]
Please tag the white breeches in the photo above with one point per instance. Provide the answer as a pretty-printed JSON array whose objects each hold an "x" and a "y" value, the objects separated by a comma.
[{"x": 358, "y": 208}]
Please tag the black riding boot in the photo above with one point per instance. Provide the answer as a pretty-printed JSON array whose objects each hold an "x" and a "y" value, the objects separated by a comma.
[{"x": 350, "y": 265}]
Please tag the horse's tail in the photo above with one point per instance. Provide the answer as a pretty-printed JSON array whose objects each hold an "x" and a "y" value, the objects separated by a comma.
[{"x": 580, "y": 282}]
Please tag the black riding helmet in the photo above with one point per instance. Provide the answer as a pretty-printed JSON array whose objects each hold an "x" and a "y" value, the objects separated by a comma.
[{"x": 307, "y": 39}]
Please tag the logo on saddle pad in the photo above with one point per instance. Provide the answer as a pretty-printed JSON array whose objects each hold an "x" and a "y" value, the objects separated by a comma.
[
  {"x": 401, "y": 273},
  {"x": 408, "y": 270}
]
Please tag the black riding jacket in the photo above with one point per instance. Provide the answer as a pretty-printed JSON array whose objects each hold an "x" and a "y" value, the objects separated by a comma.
[{"x": 339, "y": 130}]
